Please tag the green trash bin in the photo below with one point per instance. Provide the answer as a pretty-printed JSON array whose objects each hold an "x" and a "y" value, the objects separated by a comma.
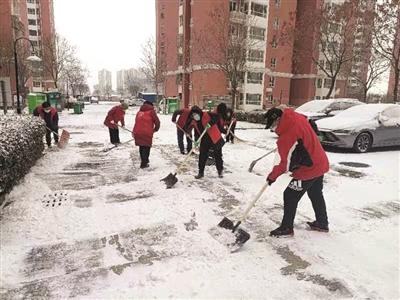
[
  {"x": 34, "y": 100},
  {"x": 55, "y": 100},
  {"x": 77, "y": 108},
  {"x": 172, "y": 105}
]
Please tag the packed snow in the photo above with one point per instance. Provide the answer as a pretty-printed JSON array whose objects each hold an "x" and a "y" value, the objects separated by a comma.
[{"x": 90, "y": 224}]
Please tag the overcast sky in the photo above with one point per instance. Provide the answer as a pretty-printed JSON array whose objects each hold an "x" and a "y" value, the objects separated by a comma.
[{"x": 107, "y": 33}]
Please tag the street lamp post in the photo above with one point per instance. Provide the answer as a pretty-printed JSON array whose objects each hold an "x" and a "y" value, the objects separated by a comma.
[{"x": 30, "y": 58}]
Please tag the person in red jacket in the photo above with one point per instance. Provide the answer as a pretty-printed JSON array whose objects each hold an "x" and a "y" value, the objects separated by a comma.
[
  {"x": 301, "y": 153},
  {"x": 146, "y": 123},
  {"x": 183, "y": 128},
  {"x": 212, "y": 140},
  {"x": 50, "y": 116},
  {"x": 115, "y": 115}
]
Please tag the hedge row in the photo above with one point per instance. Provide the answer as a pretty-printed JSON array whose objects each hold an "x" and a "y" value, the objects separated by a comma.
[{"x": 21, "y": 145}]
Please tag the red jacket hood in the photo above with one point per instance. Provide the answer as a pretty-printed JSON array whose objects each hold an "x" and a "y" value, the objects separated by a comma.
[
  {"x": 146, "y": 107},
  {"x": 286, "y": 122}
]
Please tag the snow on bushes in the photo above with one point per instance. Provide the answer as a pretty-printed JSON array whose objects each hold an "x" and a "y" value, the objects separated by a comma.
[{"x": 21, "y": 145}]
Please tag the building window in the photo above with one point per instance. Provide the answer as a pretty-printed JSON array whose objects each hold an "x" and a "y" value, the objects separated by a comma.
[
  {"x": 273, "y": 62},
  {"x": 35, "y": 43},
  {"x": 254, "y": 99},
  {"x": 32, "y": 22},
  {"x": 270, "y": 99},
  {"x": 37, "y": 84},
  {"x": 180, "y": 59},
  {"x": 33, "y": 32},
  {"x": 257, "y": 33},
  {"x": 31, "y": 1},
  {"x": 256, "y": 55},
  {"x": 319, "y": 83},
  {"x": 318, "y": 97},
  {"x": 241, "y": 99},
  {"x": 327, "y": 83},
  {"x": 31, "y": 11},
  {"x": 254, "y": 77},
  {"x": 277, "y": 3},
  {"x": 37, "y": 11},
  {"x": 162, "y": 15},
  {"x": 274, "y": 43},
  {"x": 276, "y": 23},
  {"x": 232, "y": 5},
  {"x": 258, "y": 10},
  {"x": 180, "y": 20},
  {"x": 271, "y": 81}
]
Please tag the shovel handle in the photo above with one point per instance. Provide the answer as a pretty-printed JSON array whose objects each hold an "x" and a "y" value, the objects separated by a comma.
[
  {"x": 268, "y": 153},
  {"x": 124, "y": 128},
  {"x": 187, "y": 135},
  {"x": 258, "y": 196},
  {"x": 191, "y": 151}
]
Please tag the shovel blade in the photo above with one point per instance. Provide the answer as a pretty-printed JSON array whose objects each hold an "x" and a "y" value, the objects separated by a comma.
[
  {"x": 170, "y": 180},
  {"x": 63, "y": 140},
  {"x": 224, "y": 234}
]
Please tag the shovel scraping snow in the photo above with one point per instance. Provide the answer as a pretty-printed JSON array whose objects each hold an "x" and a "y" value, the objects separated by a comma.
[
  {"x": 171, "y": 178},
  {"x": 253, "y": 163},
  {"x": 63, "y": 138},
  {"x": 228, "y": 233}
]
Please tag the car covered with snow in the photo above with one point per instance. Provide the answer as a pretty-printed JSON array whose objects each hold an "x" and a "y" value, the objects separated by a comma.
[
  {"x": 362, "y": 127},
  {"x": 318, "y": 109}
]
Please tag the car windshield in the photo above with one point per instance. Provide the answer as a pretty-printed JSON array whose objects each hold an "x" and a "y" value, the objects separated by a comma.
[
  {"x": 365, "y": 112},
  {"x": 316, "y": 106}
]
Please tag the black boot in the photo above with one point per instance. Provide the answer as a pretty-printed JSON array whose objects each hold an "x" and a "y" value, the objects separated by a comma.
[
  {"x": 220, "y": 174},
  {"x": 282, "y": 231},
  {"x": 199, "y": 176},
  {"x": 318, "y": 227}
]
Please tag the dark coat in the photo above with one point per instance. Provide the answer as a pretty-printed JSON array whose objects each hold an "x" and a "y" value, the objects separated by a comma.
[{"x": 50, "y": 118}]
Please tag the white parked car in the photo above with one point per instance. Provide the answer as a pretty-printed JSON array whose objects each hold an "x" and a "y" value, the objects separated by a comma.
[
  {"x": 318, "y": 109},
  {"x": 362, "y": 127}
]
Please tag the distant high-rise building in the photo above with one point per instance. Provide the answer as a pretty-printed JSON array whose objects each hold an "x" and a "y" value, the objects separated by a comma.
[
  {"x": 121, "y": 88},
  {"x": 105, "y": 83},
  {"x": 32, "y": 19}
]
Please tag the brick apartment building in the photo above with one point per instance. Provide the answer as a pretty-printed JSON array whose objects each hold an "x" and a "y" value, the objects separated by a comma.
[
  {"x": 33, "y": 19},
  {"x": 275, "y": 76}
]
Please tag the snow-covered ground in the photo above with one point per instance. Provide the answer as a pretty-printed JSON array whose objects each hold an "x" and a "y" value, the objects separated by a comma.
[{"x": 90, "y": 224}]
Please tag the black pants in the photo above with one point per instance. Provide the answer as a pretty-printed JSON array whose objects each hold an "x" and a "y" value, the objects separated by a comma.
[
  {"x": 204, "y": 149},
  {"x": 229, "y": 136},
  {"x": 48, "y": 136},
  {"x": 292, "y": 195},
  {"x": 180, "y": 135},
  {"x": 144, "y": 155},
  {"x": 114, "y": 135}
]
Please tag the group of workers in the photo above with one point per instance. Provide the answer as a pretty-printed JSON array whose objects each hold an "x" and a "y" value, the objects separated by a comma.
[{"x": 298, "y": 148}]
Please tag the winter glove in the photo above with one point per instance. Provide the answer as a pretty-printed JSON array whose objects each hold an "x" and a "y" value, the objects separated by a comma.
[
  {"x": 196, "y": 144},
  {"x": 270, "y": 181},
  {"x": 208, "y": 126}
]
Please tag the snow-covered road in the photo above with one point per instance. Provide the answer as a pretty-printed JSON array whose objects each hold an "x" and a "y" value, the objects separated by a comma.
[{"x": 90, "y": 224}]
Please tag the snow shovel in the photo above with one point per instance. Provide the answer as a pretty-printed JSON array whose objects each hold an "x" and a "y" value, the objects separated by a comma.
[
  {"x": 116, "y": 146},
  {"x": 187, "y": 135},
  {"x": 62, "y": 139},
  {"x": 253, "y": 163},
  {"x": 171, "y": 179},
  {"x": 228, "y": 233}
]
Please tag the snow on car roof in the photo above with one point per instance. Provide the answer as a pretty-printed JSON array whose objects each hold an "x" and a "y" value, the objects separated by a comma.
[
  {"x": 368, "y": 111},
  {"x": 317, "y": 106}
]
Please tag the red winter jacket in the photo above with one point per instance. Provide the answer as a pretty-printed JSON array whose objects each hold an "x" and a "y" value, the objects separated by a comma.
[
  {"x": 146, "y": 123},
  {"x": 115, "y": 114},
  {"x": 293, "y": 127},
  {"x": 51, "y": 118}
]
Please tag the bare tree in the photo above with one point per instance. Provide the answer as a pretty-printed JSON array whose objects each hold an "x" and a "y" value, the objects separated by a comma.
[
  {"x": 132, "y": 82},
  {"x": 330, "y": 30},
  {"x": 56, "y": 54},
  {"x": 387, "y": 37},
  {"x": 153, "y": 65},
  {"x": 375, "y": 67},
  {"x": 225, "y": 45},
  {"x": 76, "y": 75}
]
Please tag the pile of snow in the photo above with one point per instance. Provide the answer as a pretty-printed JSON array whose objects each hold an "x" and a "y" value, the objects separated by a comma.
[{"x": 21, "y": 145}]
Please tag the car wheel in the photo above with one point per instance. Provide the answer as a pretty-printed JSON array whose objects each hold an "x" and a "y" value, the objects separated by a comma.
[{"x": 363, "y": 142}]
